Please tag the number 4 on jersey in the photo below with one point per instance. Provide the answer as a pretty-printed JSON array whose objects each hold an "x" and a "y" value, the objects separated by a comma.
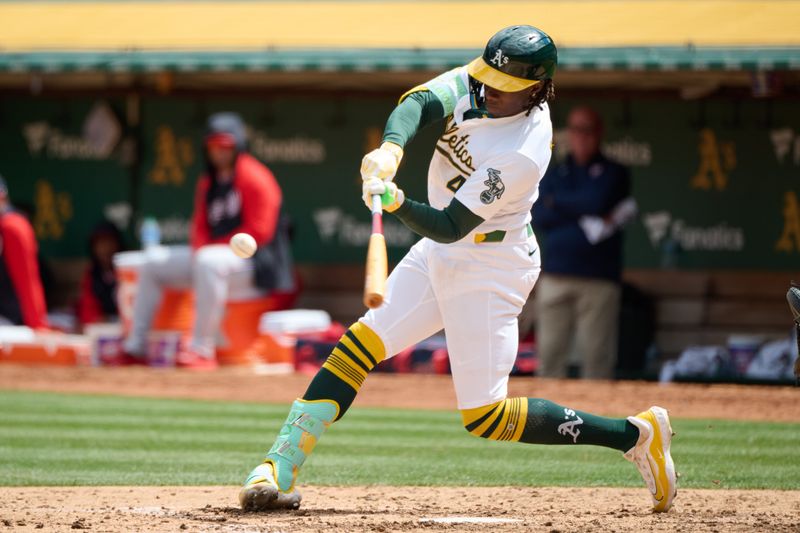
[{"x": 456, "y": 183}]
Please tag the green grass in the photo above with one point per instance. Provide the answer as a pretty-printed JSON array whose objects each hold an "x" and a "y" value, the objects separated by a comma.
[{"x": 60, "y": 439}]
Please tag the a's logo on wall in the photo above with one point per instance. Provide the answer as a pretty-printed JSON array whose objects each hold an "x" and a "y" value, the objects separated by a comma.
[
  {"x": 174, "y": 156},
  {"x": 53, "y": 210},
  {"x": 790, "y": 236},
  {"x": 499, "y": 59},
  {"x": 717, "y": 159},
  {"x": 496, "y": 187}
]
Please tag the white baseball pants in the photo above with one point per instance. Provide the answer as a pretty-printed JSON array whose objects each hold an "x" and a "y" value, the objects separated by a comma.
[{"x": 475, "y": 292}]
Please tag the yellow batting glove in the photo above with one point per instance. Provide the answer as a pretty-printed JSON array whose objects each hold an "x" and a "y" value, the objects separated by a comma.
[
  {"x": 392, "y": 198},
  {"x": 382, "y": 162}
]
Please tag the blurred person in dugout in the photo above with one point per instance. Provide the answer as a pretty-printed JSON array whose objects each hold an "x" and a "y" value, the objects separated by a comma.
[
  {"x": 236, "y": 194},
  {"x": 21, "y": 295},
  {"x": 97, "y": 301},
  {"x": 583, "y": 203}
]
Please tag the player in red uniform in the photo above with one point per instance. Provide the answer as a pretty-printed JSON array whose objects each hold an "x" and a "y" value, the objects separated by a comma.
[
  {"x": 238, "y": 194},
  {"x": 21, "y": 294}
]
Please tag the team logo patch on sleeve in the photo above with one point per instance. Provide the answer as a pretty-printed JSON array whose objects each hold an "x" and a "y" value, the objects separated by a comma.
[{"x": 496, "y": 187}]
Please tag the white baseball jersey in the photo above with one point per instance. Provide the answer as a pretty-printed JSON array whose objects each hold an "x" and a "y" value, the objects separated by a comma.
[
  {"x": 491, "y": 165},
  {"x": 474, "y": 290}
]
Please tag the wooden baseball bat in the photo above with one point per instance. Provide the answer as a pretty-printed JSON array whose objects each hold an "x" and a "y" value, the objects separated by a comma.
[{"x": 375, "y": 277}]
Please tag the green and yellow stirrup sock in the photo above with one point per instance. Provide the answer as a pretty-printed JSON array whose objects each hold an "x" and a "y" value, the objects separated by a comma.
[
  {"x": 538, "y": 421},
  {"x": 503, "y": 420},
  {"x": 329, "y": 395},
  {"x": 340, "y": 378},
  {"x": 296, "y": 440}
]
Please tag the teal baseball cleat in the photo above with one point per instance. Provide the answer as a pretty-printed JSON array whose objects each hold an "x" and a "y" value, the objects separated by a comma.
[
  {"x": 271, "y": 484},
  {"x": 260, "y": 491}
]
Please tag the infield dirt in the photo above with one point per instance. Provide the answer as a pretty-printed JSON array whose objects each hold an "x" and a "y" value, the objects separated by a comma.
[{"x": 386, "y": 509}]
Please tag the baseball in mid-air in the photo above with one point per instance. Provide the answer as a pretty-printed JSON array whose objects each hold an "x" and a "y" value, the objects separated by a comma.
[{"x": 243, "y": 245}]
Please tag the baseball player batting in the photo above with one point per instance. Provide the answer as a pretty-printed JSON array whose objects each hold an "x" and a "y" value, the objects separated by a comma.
[{"x": 470, "y": 274}]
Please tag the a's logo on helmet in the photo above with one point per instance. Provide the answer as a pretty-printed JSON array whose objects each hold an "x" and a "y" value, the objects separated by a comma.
[{"x": 499, "y": 59}]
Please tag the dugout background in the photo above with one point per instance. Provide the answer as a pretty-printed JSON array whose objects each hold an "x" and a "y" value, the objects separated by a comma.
[
  {"x": 716, "y": 178},
  {"x": 102, "y": 105}
]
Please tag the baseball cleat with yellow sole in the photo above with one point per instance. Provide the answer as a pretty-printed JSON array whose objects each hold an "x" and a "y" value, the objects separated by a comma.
[
  {"x": 260, "y": 492},
  {"x": 651, "y": 456}
]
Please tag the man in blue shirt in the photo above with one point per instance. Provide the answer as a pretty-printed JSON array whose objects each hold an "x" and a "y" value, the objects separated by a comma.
[{"x": 581, "y": 206}]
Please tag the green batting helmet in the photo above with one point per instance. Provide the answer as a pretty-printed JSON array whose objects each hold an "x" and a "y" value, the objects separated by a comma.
[{"x": 516, "y": 58}]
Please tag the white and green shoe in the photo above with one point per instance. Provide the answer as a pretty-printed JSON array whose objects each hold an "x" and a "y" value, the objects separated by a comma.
[{"x": 271, "y": 484}]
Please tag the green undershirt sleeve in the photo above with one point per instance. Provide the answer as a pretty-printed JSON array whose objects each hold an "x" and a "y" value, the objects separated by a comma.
[
  {"x": 416, "y": 111},
  {"x": 448, "y": 225}
]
